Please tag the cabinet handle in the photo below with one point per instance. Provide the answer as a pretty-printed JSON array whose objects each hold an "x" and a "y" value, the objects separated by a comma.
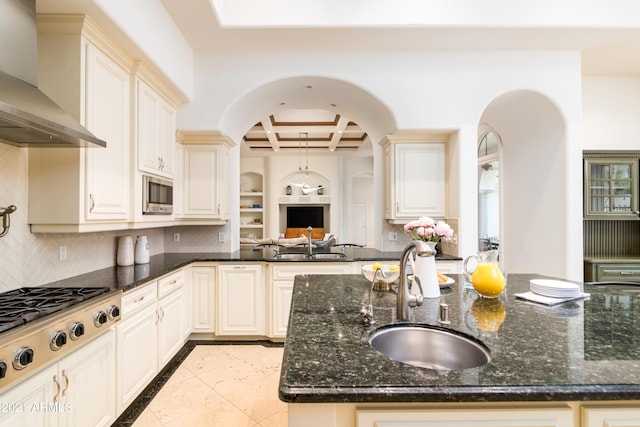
[
  {"x": 218, "y": 208},
  {"x": 626, "y": 273},
  {"x": 92, "y": 203},
  {"x": 66, "y": 382},
  {"x": 397, "y": 207},
  {"x": 140, "y": 298},
  {"x": 57, "y": 393},
  {"x": 239, "y": 267},
  {"x": 157, "y": 316},
  {"x": 173, "y": 282}
]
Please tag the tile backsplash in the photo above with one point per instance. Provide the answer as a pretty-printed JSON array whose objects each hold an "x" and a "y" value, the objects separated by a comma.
[
  {"x": 404, "y": 239},
  {"x": 28, "y": 259}
]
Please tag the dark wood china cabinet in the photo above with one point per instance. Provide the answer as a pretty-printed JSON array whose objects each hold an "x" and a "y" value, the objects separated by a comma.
[{"x": 611, "y": 215}]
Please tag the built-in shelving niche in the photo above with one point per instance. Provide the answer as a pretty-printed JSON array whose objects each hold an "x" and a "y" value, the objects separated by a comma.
[{"x": 251, "y": 205}]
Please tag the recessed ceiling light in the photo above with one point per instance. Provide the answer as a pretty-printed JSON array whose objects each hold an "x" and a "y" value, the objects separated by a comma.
[
  {"x": 283, "y": 103},
  {"x": 333, "y": 105},
  {"x": 309, "y": 87}
]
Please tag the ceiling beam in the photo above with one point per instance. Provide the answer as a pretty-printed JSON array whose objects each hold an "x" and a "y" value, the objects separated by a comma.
[
  {"x": 340, "y": 127},
  {"x": 268, "y": 128}
]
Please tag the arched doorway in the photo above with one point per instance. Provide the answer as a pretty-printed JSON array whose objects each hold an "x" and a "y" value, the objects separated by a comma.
[
  {"x": 540, "y": 232},
  {"x": 489, "y": 200},
  {"x": 332, "y": 95}
]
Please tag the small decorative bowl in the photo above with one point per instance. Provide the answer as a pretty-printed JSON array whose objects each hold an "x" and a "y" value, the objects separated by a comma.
[{"x": 383, "y": 279}]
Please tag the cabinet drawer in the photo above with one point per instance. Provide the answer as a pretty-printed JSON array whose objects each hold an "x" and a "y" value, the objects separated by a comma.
[
  {"x": 625, "y": 272},
  {"x": 136, "y": 300},
  {"x": 169, "y": 283},
  {"x": 610, "y": 415},
  {"x": 289, "y": 271}
]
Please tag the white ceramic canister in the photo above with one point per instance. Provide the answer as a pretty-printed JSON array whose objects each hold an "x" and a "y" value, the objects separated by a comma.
[
  {"x": 142, "y": 250},
  {"x": 124, "y": 255}
]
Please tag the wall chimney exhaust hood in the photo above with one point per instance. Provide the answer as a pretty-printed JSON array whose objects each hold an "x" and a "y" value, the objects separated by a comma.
[{"x": 28, "y": 117}]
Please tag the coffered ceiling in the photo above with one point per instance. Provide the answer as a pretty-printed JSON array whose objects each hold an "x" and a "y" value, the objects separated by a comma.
[{"x": 301, "y": 129}]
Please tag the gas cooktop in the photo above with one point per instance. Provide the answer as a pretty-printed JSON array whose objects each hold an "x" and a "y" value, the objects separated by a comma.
[{"x": 23, "y": 305}]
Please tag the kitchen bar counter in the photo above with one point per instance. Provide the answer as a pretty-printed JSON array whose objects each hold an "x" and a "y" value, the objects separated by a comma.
[
  {"x": 126, "y": 278},
  {"x": 577, "y": 351}
]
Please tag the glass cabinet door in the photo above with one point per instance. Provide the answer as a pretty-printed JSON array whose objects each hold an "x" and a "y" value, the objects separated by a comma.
[{"x": 611, "y": 188}]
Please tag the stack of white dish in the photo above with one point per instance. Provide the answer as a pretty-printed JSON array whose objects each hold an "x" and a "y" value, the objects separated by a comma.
[{"x": 554, "y": 288}]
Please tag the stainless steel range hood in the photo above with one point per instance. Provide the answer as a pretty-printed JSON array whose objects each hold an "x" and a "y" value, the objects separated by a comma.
[{"x": 28, "y": 117}]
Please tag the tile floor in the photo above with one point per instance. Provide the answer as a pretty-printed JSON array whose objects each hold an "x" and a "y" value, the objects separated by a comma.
[{"x": 220, "y": 385}]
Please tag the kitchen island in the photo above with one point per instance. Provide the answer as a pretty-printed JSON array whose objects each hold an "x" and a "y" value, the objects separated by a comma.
[{"x": 567, "y": 363}]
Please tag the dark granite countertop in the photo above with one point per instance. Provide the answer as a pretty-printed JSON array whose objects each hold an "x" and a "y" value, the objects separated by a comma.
[
  {"x": 127, "y": 278},
  {"x": 577, "y": 351}
]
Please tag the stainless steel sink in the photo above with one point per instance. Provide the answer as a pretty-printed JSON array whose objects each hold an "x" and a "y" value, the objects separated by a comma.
[
  {"x": 329, "y": 255},
  {"x": 429, "y": 346},
  {"x": 292, "y": 256}
]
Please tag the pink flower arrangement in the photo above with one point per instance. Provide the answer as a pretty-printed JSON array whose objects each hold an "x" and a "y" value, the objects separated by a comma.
[{"x": 427, "y": 230}]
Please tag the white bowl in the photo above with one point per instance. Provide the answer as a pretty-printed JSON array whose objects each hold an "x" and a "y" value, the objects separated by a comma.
[{"x": 387, "y": 275}]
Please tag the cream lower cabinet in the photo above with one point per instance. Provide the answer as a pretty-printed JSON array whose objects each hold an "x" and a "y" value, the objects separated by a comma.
[
  {"x": 79, "y": 390},
  {"x": 610, "y": 416},
  {"x": 150, "y": 333},
  {"x": 203, "y": 278},
  {"x": 240, "y": 300},
  {"x": 280, "y": 290},
  {"x": 171, "y": 317},
  {"x": 137, "y": 339},
  {"x": 529, "y": 417},
  {"x": 19, "y": 402}
]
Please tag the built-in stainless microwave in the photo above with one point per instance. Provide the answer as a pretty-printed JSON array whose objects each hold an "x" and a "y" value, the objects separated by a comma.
[{"x": 157, "y": 196}]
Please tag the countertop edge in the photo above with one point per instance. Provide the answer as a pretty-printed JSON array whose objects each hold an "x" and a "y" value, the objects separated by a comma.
[{"x": 459, "y": 394}]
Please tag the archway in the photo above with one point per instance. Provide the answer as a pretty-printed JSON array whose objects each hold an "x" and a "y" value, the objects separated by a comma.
[
  {"x": 308, "y": 92},
  {"x": 334, "y": 95},
  {"x": 535, "y": 186}
]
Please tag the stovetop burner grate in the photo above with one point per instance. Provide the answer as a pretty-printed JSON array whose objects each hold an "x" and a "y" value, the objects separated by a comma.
[{"x": 23, "y": 305}]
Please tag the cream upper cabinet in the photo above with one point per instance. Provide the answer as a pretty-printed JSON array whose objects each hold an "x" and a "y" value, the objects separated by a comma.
[
  {"x": 107, "y": 115},
  {"x": 414, "y": 177},
  {"x": 155, "y": 131},
  {"x": 85, "y": 189},
  {"x": 203, "y": 184}
]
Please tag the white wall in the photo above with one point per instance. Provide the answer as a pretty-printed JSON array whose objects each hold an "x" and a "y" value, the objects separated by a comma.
[
  {"x": 143, "y": 28},
  {"x": 417, "y": 90},
  {"x": 611, "y": 112}
]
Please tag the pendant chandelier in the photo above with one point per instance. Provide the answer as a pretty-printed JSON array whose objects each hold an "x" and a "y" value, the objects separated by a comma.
[{"x": 305, "y": 136}]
